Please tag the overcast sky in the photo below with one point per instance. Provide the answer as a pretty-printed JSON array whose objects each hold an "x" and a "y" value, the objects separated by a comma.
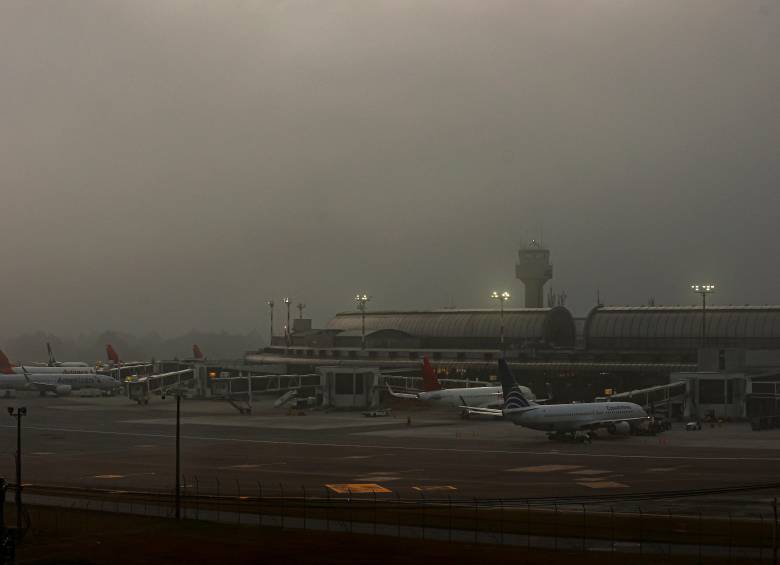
[{"x": 168, "y": 165}]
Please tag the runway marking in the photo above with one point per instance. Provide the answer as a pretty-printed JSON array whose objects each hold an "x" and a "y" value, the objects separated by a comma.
[
  {"x": 357, "y": 488},
  {"x": 402, "y": 447},
  {"x": 545, "y": 468},
  {"x": 108, "y": 477},
  {"x": 602, "y": 484},
  {"x": 383, "y": 478},
  {"x": 358, "y": 456},
  {"x": 661, "y": 469},
  {"x": 42, "y": 453},
  {"x": 434, "y": 488},
  {"x": 250, "y": 466},
  {"x": 589, "y": 472}
]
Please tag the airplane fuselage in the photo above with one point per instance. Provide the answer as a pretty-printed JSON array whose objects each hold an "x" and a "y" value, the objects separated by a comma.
[
  {"x": 478, "y": 397},
  {"x": 566, "y": 418},
  {"x": 65, "y": 381}
]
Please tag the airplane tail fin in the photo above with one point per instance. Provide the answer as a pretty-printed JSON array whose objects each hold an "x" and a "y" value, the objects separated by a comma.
[
  {"x": 52, "y": 360},
  {"x": 196, "y": 352},
  {"x": 430, "y": 381},
  {"x": 5, "y": 365},
  {"x": 112, "y": 354},
  {"x": 513, "y": 398}
]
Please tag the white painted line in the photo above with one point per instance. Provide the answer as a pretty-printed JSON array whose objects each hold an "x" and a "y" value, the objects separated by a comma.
[{"x": 403, "y": 448}]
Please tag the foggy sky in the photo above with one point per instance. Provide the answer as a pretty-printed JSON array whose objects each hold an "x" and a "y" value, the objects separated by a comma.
[{"x": 168, "y": 165}]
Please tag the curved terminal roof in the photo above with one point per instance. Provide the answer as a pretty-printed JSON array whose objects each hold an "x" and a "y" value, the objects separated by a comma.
[
  {"x": 463, "y": 327},
  {"x": 679, "y": 327}
]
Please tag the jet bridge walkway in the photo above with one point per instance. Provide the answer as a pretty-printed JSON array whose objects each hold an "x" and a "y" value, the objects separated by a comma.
[
  {"x": 141, "y": 389},
  {"x": 655, "y": 399}
]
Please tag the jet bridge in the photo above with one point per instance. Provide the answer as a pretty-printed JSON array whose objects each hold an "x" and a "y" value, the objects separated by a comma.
[
  {"x": 240, "y": 391},
  {"x": 141, "y": 389},
  {"x": 657, "y": 399}
]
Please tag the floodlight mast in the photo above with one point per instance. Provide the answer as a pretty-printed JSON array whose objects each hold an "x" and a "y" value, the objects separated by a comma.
[
  {"x": 502, "y": 298},
  {"x": 361, "y": 299},
  {"x": 703, "y": 290}
]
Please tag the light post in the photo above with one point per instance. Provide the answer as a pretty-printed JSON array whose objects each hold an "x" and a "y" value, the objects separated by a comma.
[
  {"x": 271, "y": 312},
  {"x": 502, "y": 298},
  {"x": 703, "y": 290},
  {"x": 18, "y": 413},
  {"x": 177, "y": 488},
  {"x": 286, "y": 300},
  {"x": 361, "y": 299}
]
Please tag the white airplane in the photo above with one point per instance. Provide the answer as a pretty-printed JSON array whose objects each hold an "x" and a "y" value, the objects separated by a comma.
[
  {"x": 60, "y": 384},
  {"x": 479, "y": 396},
  {"x": 5, "y": 364},
  {"x": 54, "y": 363},
  {"x": 563, "y": 421}
]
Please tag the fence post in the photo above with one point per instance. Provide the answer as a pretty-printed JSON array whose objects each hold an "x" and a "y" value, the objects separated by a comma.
[
  {"x": 501, "y": 520},
  {"x": 476, "y": 521},
  {"x": 349, "y": 505},
  {"x": 422, "y": 513},
  {"x": 219, "y": 502},
  {"x": 774, "y": 532},
  {"x": 281, "y": 498},
  {"x": 374, "y": 493},
  {"x": 699, "y": 536},
  {"x": 238, "y": 490},
  {"x": 449, "y": 511},
  {"x": 584, "y": 528},
  {"x": 731, "y": 536},
  {"x": 303, "y": 488},
  {"x": 612, "y": 527},
  {"x": 327, "y": 509},
  {"x": 398, "y": 511},
  {"x": 259, "y": 504}
]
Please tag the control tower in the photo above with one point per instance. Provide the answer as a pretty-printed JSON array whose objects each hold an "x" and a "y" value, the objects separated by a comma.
[{"x": 534, "y": 269}]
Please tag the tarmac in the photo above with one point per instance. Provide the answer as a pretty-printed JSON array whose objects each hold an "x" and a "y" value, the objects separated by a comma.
[{"x": 417, "y": 451}]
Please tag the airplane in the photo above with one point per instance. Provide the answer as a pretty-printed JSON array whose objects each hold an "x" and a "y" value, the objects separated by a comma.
[
  {"x": 118, "y": 366},
  {"x": 480, "y": 396},
  {"x": 54, "y": 363},
  {"x": 60, "y": 383},
  {"x": 563, "y": 421},
  {"x": 36, "y": 369}
]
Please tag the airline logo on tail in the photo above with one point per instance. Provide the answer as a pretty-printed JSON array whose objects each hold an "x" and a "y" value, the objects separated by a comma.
[
  {"x": 430, "y": 382},
  {"x": 112, "y": 354},
  {"x": 5, "y": 365},
  {"x": 513, "y": 398},
  {"x": 196, "y": 352}
]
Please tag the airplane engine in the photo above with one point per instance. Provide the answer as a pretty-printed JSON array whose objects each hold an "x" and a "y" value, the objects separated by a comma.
[
  {"x": 63, "y": 390},
  {"x": 620, "y": 428}
]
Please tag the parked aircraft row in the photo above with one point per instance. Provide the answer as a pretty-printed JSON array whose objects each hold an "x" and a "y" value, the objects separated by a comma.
[{"x": 518, "y": 405}]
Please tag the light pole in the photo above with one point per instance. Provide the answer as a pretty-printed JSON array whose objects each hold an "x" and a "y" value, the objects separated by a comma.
[
  {"x": 703, "y": 290},
  {"x": 18, "y": 413},
  {"x": 502, "y": 298},
  {"x": 177, "y": 484},
  {"x": 271, "y": 312},
  {"x": 286, "y": 300},
  {"x": 361, "y": 299}
]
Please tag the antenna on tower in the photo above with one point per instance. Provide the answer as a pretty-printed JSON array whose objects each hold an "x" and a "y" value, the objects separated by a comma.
[{"x": 598, "y": 298}]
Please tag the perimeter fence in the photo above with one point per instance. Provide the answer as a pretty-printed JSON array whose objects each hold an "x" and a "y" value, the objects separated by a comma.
[{"x": 626, "y": 523}]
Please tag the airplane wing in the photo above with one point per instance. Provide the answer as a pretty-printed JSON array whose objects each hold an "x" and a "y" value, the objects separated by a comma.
[
  {"x": 480, "y": 411},
  {"x": 401, "y": 394}
]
